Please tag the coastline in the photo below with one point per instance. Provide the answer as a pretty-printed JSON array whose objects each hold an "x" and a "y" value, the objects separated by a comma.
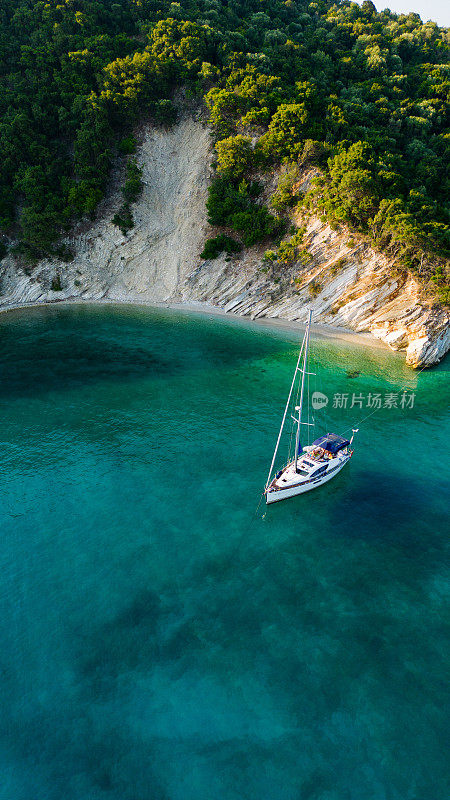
[
  {"x": 204, "y": 308},
  {"x": 158, "y": 265}
]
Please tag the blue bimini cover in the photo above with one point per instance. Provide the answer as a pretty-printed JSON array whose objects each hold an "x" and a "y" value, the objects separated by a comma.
[{"x": 331, "y": 442}]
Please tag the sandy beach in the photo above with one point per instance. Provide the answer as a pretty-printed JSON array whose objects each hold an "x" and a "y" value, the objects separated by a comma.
[{"x": 204, "y": 308}]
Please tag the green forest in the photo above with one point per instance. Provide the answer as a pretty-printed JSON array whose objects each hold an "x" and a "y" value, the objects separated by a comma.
[{"x": 361, "y": 95}]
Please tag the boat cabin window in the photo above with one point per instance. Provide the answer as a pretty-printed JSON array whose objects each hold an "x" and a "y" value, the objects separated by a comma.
[
  {"x": 303, "y": 472},
  {"x": 320, "y": 470}
]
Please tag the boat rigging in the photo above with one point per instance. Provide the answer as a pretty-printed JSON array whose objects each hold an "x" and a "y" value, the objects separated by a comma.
[{"x": 311, "y": 465}]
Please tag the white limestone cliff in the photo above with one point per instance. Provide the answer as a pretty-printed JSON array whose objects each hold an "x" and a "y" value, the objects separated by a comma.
[{"x": 158, "y": 261}]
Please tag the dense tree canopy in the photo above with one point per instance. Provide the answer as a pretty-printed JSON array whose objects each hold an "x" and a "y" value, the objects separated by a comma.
[{"x": 363, "y": 95}]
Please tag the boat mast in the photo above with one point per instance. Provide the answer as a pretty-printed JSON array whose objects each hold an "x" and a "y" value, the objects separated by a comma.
[
  {"x": 286, "y": 410},
  {"x": 305, "y": 364}
]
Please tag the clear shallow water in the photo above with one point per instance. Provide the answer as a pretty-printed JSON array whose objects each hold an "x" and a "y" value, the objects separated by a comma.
[{"x": 159, "y": 640}]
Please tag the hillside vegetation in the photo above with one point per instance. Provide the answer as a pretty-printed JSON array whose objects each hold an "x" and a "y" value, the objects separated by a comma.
[{"x": 361, "y": 95}]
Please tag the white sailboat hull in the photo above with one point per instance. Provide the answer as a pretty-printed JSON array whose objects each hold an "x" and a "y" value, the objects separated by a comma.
[
  {"x": 313, "y": 464},
  {"x": 273, "y": 495}
]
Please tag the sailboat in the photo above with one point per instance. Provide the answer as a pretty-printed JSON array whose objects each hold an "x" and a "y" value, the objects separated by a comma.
[{"x": 312, "y": 465}]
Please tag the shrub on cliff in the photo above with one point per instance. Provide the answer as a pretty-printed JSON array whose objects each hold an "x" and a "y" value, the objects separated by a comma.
[
  {"x": 256, "y": 224},
  {"x": 234, "y": 206},
  {"x": 234, "y": 156},
  {"x": 219, "y": 244},
  {"x": 133, "y": 184},
  {"x": 127, "y": 145},
  {"x": 284, "y": 197},
  {"x": 124, "y": 219},
  {"x": 226, "y": 198},
  {"x": 131, "y": 192}
]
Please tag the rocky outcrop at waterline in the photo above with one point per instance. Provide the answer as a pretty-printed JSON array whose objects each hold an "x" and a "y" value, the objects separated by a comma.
[
  {"x": 346, "y": 282},
  {"x": 346, "y": 285}
]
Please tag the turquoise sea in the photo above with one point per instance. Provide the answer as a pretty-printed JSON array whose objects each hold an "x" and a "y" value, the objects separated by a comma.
[{"x": 162, "y": 641}]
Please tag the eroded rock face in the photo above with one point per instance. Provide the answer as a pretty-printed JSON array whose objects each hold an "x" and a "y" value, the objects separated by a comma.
[
  {"x": 350, "y": 286},
  {"x": 150, "y": 262},
  {"x": 346, "y": 283},
  {"x": 429, "y": 348}
]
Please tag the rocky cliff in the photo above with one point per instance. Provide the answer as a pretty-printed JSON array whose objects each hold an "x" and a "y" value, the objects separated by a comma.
[{"x": 345, "y": 281}]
